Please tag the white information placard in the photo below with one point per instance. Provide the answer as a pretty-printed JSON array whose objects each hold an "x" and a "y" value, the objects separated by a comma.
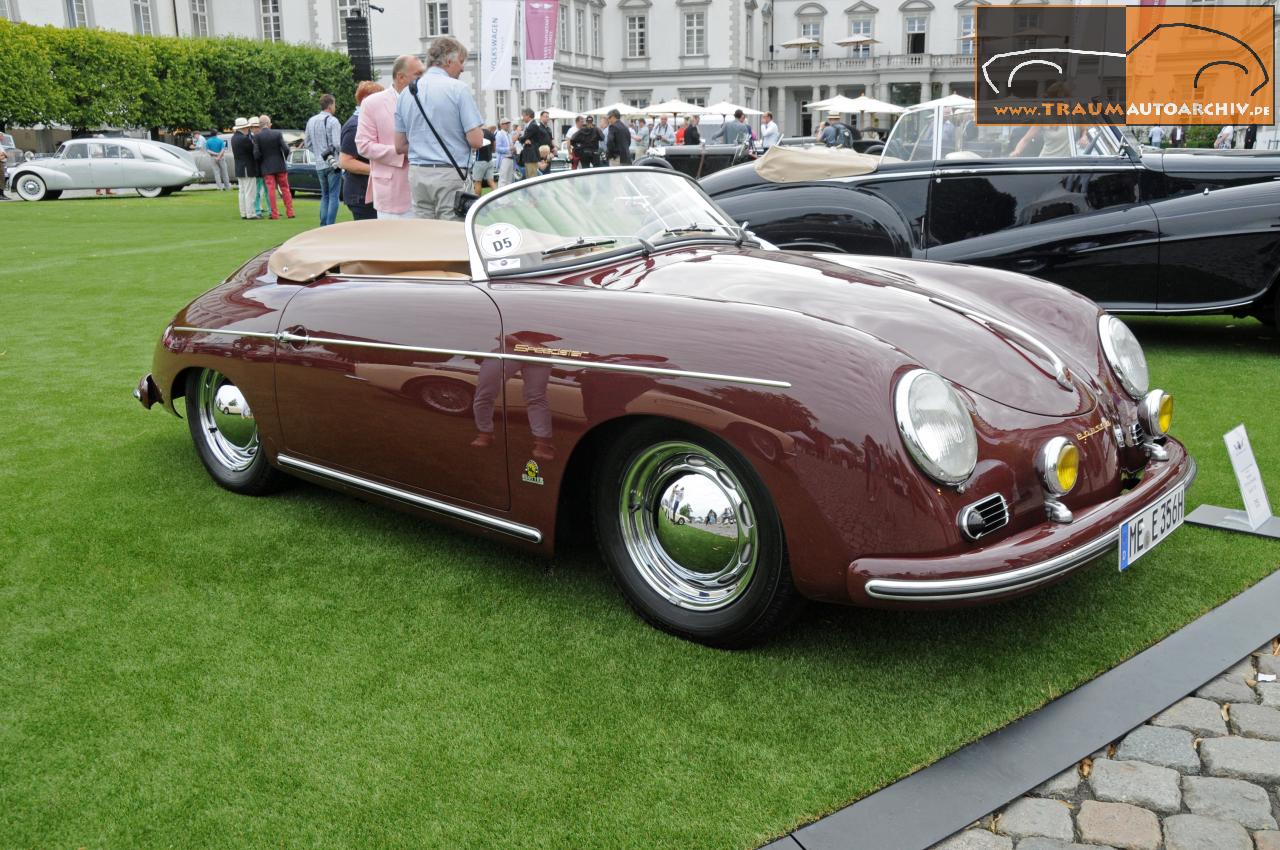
[{"x": 1254, "y": 494}]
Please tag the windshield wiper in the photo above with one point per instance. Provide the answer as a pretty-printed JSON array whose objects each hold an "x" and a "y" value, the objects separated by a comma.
[
  {"x": 688, "y": 228},
  {"x": 579, "y": 243}
]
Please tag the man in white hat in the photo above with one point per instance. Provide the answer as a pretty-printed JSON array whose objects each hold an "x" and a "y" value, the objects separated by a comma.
[{"x": 246, "y": 167}]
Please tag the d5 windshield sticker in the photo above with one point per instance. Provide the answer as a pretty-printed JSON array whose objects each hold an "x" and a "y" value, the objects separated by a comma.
[{"x": 498, "y": 240}]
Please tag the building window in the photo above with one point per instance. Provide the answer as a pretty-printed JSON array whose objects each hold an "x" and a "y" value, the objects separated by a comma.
[
  {"x": 811, "y": 28},
  {"x": 695, "y": 33},
  {"x": 637, "y": 99},
  {"x": 698, "y": 97},
  {"x": 77, "y": 13},
  {"x": 580, "y": 31},
  {"x": 436, "y": 15},
  {"x": 597, "y": 99},
  {"x": 269, "y": 12},
  {"x": 637, "y": 37},
  {"x": 749, "y": 97},
  {"x": 544, "y": 100},
  {"x": 200, "y": 18},
  {"x": 1028, "y": 20},
  {"x": 751, "y": 36},
  {"x": 582, "y": 101},
  {"x": 349, "y": 9},
  {"x": 863, "y": 27},
  {"x": 916, "y": 27},
  {"x": 562, "y": 27},
  {"x": 142, "y": 17},
  {"x": 500, "y": 104},
  {"x": 966, "y": 33},
  {"x": 595, "y": 34},
  {"x": 566, "y": 100}
]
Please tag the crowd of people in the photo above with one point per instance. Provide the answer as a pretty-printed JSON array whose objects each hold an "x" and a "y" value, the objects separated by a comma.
[{"x": 420, "y": 149}]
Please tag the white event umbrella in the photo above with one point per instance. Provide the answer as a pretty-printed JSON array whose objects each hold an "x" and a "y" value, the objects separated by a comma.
[
  {"x": 856, "y": 41},
  {"x": 724, "y": 107},
  {"x": 624, "y": 109},
  {"x": 802, "y": 42},
  {"x": 950, "y": 100},
  {"x": 556, "y": 113},
  {"x": 673, "y": 107}
]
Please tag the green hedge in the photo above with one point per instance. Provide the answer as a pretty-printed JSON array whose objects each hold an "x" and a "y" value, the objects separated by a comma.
[{"x": 88, "y": 79}]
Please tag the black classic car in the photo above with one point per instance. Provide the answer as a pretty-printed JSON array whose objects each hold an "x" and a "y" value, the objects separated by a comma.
[{"x": 1137, "y": 231}]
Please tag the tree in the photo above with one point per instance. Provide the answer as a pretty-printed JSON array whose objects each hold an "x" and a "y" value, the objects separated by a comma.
[
  {"x": 101, "y": 76},
  {"x": 178, "y": 92},
  {"x": 27, "y": 93}
]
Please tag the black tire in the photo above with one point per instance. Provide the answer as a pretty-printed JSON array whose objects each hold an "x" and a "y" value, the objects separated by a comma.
[
  {"x": 732, "y": 604},
  {"x": 226, "y": 443},
  {"x": 53, "y": 194},
  {"x": 654, "y": 162}
]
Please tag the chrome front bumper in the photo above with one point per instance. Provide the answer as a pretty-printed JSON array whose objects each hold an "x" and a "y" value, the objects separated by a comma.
[{"x": 1022, "y": 578}]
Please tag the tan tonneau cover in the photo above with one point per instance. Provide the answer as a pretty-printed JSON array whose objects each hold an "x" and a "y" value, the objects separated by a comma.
[
  {"x": 401, "y": 247},
  {"x": 785, "y": 164}
]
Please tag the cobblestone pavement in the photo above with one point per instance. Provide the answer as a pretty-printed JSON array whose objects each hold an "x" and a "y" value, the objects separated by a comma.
[{"x": 1202, "y": 775}]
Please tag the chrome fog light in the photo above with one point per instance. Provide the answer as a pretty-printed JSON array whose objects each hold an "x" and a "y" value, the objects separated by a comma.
[
  {"x": 1058, "y": 463},
  {"x": 1156, "y": 413}
]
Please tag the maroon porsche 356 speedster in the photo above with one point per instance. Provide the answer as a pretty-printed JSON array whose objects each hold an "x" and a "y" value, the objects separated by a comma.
[{"x": 743, "y": 427}]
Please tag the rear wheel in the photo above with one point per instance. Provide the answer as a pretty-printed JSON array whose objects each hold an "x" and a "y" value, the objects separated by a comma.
[
  {"x": 30, "y": 187},
  {"x": 725, "y": 583},
  {"x": 150, "y": 191},
  {"x": 226, "y": 435}
]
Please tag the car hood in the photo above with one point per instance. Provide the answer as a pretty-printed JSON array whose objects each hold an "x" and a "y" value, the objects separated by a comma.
[{"x": 917, "y": 308}]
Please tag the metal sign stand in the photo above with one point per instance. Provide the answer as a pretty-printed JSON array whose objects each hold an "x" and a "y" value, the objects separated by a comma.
[{"x": 1257, "y": 518}]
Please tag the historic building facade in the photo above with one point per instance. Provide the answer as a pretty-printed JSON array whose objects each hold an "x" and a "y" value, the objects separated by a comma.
[{"x": 636, "y": 51}]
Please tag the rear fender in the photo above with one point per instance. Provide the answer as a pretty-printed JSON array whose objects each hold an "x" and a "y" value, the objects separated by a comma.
[{"x": 823, "y": 217}]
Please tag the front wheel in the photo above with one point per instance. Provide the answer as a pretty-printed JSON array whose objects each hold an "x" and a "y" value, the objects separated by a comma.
[
  {"x": 30, "y": 187},
  {"x": 726, "y": 585},
  {"x": 226, "y": 435},
  {"x": 150, "y": 191}
]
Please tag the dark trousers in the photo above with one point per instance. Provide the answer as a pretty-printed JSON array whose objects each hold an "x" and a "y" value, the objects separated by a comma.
[{"x": 362, "y": 211}]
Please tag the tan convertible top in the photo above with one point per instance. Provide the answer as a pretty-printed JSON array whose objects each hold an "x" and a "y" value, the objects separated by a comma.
[
  {"x": 794, "y": 165},
  {"x": 427, "y": 248}
]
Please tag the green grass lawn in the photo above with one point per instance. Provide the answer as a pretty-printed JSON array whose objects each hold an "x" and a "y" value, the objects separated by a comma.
[{"x": 180, "y": 666}]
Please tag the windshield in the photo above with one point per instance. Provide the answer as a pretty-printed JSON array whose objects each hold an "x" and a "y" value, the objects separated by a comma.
[
  {"x": 558, "y": 220},
  {"x": 962, "y": 137}
]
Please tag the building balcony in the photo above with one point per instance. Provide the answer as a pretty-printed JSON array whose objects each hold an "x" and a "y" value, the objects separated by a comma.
[{"x": 906, "y": 61}]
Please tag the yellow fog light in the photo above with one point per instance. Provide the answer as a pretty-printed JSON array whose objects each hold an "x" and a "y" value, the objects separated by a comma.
[
  {"x": 1059, "y": 465},
  {"x": 1156, "y": 413}
]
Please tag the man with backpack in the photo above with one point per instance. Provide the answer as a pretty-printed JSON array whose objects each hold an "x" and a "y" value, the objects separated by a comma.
[{"x": 839, "y": 134}]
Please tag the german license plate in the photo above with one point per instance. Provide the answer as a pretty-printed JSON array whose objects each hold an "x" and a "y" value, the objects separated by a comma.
[{"x": 1142, "y": 532}]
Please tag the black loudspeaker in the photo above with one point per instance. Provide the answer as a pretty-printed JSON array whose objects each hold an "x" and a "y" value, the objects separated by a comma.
[{"x": 358, "y": 49}]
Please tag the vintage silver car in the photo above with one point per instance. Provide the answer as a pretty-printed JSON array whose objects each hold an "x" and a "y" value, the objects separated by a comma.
[{"x": 151, "y": 168}]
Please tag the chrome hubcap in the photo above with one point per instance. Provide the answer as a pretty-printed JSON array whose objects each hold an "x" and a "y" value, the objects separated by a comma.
[
  {"x": 226, "y": 421},
  {"x": 687, "y": 525},
  {"x": 29, "y": 187}
]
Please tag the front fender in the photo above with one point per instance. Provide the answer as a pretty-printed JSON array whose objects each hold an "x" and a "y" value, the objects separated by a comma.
[{"x": 53, "y": 179}]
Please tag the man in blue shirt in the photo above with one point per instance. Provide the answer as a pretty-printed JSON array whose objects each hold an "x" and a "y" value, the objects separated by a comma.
[
  {"x": 216, "y": 149},
  {"x": 434, "y": 171},
  {"x": 324, "y": 140}
]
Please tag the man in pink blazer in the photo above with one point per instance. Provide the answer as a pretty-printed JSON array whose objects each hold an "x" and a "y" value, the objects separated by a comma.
[{"x": 376, "y": 141}]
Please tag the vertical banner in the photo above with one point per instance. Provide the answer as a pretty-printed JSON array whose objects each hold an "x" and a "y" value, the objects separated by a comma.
[
  {"x": 539, "y": 44},
  {"x": 497, "y": 37}
]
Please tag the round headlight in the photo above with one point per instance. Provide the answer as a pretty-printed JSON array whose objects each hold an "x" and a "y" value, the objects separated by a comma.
[
  {"x": 1156, "y": 413},
  {"x": 1059, "y": 465},
  {"x": 936, "y": 427},
  {"x": 1124, "y": 353}
]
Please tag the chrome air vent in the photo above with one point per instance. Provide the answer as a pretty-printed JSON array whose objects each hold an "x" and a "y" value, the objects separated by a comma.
[
  {"x": 984, "y": 517},
  {"x": 1137, "y": 434}
]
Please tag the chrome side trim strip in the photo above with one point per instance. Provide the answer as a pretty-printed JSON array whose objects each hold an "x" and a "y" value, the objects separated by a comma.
[
  {"x": 943, "y": 171},
  {"x": 498, "y": 355},
  {"x": 515, "y": 529},
  {"x": 227, "y": 332},
  {"x": 945, "y": 590}
]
